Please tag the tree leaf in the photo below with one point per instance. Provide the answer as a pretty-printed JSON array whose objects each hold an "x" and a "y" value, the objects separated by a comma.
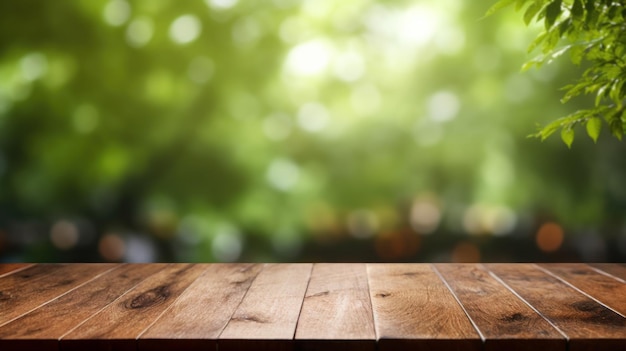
[
  {"x": 552, "y": 39},
  {"x": 548, "y": 130},
  {"x": 577, "y": 9},
  {"x": 567, "y": 135},
  {"x": 601, "y": 94},
  {"x": 519, "y": 4},
  {"x": 560, "y": 52},
  {"x": 576, "y": 54},
  {"x": 553, "y": 10},
  {"x": 498, "y": 6},
  {"x": 616, "y": 92},
  {"x": 612, "y": 13},
  {"x": 592, "y": 14},
  {"x": 532, "y": 11},
  {"x": 617, "y": 128},
  {"x": 540, "y": 38},
  {"x": 537, "y": 61},
  {"x": 594, "y": 126},
  {"x": 564, "y": 26}
]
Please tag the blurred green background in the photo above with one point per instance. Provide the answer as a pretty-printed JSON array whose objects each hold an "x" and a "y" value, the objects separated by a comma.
[{"x": 288, "y": 130}]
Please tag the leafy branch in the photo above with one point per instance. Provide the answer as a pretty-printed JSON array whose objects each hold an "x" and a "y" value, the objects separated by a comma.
[{"x": 593, "y": 32}]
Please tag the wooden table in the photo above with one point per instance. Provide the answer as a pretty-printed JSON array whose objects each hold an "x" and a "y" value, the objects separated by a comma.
[{"x": 313, "y": 307}]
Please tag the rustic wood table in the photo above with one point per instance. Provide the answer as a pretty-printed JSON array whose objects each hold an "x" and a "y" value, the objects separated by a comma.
[{"x": 313, "y": 307}]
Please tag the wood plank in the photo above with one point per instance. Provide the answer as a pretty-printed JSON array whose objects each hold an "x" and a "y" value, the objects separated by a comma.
[
  {"x": 607, "y": 290},
  {"x": 117, "y": 326},
  {"x": 268, "y": 314},
  {"x": 413, "y": 309},
  {"x": 614, "y": 269},
  {"x": 8, "y": 268},
  {"x": 42, "y": 328},
  {"x": 337, "y": 311},
  {"x": 28, "y": 289},
  {"x": 505, "y": 321},
  {"x": 198, "y": 317},
  {"x": 588, "y": 324}
]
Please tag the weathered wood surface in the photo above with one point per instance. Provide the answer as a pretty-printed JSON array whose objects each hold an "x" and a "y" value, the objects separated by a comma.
[
  {"x": 505, "y": 322},
  {"x": 414, "y": 310},
  {"x": 588, "y": 324},
  {"x": 337, "y": 312},
  {"x": 200, "y": 315},
  {"x": 118, "y": 325},
  {"x": 27, "y": 289},
  {"x": 157, "y": 307},
  {"x": 12, "y": 267},
  {"x": 605, "y": 289},
  {"x": 71, "y": 309},
  {"x": 615, "y": 270},
  {"x": 267, "y": 317}
]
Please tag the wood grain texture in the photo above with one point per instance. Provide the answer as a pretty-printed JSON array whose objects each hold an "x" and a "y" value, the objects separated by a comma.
[
  {"x": 616, "y": 270},
  {"x": 8, "y": 268},
  {"x": 505, "y": 321},
  {"x": 42, "y": 328},
  {"x": 28, "y": 289},
  {"x": 266, "y": 318},
  {"x": 118, "y": 325},
  {"x": 608, "y": 290},
  {"x": 400, "y": 307},
  {"x": 337, "y": 311},
  {"x": 198, "y": 317},
  {"x": 413, "y": 309},
  {"x": 588, "y": 325}
]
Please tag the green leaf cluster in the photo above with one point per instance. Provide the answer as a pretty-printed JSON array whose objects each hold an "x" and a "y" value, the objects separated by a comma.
[{"x": 593, "y": 32}]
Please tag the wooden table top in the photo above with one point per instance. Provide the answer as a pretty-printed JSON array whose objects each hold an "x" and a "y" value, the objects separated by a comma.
[{"x": 313, "y": 307}]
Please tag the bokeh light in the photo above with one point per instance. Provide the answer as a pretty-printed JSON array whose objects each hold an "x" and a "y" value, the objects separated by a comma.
[
  {"x": 112, "y": 247},
  {"x": 64, "y": 235},
  {"x": 117, "y": 12},
  {"x": 185, "y": 29},
  {"x": 139, "y": 31},
  {"x": 397, "y": 245},
  {"x": 465, "y": 252},
  {"x": 549, "y": 237}
]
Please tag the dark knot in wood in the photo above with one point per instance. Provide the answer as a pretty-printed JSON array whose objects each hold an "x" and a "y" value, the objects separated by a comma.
[
  {"x": 323, "y": 293},
  {"x": 241, "y": 282},
  {"x": 598, "y": 314},
  {"x": 149, "y": 298},
  {"x": 246, "y": 318},
  {"x": 515, "y": 317},
  {"x": 65, "y": 282}
]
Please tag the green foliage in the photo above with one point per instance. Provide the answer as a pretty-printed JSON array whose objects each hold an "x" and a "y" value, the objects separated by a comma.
[
  {"x": 256, "y": 130},
  {"x": 594, "y": 34}
]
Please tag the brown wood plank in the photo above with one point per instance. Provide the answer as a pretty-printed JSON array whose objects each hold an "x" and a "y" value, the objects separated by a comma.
[
  {"x": 337, "y": 311},
  {"x": 608, "y": 290},
  {"x": 505, "y": 321},
  {"x": 42, "y": 328},
  {"x": 117, "y": 326},
  {"x": 413, "y": 309},
  {"x": 8, "y": 268},
  {"x": 28, "y": 289},
  {"x": 267, "y": 316},
  {"x": 615, "y": 269},
  {"x": 198, "y": 317},
  {"x": 588, "y": 324}
]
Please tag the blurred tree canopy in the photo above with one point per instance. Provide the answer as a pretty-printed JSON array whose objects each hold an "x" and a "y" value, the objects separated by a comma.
[
  {"x": 287, "y": 130},
  {"x": 594, "y": 34}
]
